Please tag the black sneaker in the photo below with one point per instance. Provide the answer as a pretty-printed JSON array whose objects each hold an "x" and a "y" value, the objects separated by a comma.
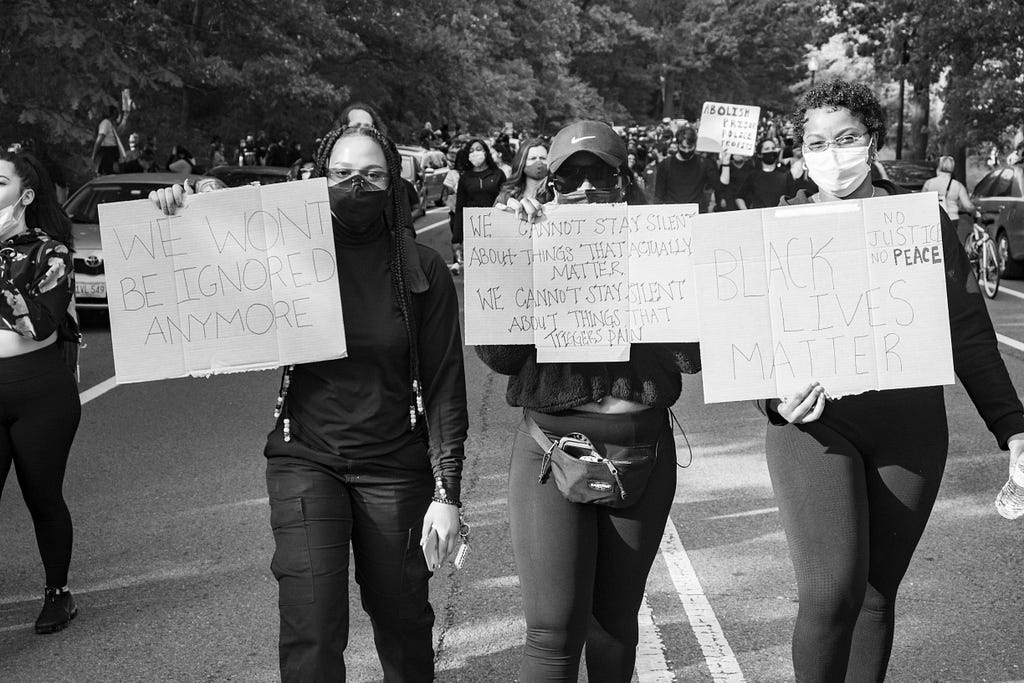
[{"x": 58, "y": 610}]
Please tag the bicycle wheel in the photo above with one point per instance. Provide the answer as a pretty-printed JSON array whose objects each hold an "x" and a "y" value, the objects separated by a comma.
[{"x": 989, "y": 268}]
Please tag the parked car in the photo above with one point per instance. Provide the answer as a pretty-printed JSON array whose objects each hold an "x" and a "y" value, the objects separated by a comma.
[
  {"x": 90, "y": 280},
  {"x": 236, "y": 176},
  {"x": 426, "y": 172},
  {"x": 999, "y": 196},
  {"x": 908, "y": 173}
]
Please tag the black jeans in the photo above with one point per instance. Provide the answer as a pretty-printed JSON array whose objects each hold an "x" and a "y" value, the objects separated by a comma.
[
  {"x": 583, "y": 568},
  {"x": 316, "y": 509},
  {"x": 39, "y": 414}
]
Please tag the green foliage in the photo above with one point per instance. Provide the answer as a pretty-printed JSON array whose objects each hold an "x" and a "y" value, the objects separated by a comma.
[{"x": 200, "y": 68}]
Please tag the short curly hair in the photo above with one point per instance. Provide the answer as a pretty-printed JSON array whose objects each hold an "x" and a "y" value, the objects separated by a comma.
[{"x": 836, "y": 94}]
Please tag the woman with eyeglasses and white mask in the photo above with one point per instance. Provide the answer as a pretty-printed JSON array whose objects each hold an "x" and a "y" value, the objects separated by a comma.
[
  {"x": 583, "y": 567},
  {"x": 856, "y": 478},
  {"x": 368, "y": 449}
]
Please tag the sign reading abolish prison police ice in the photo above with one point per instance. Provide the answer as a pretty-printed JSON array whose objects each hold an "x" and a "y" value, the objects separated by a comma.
[
  {"x": 729, "y": 127},
  {"x": 583, "y": 283},
  {"x": 852, "y": 294},
  {"x": 239, "y": 279}
]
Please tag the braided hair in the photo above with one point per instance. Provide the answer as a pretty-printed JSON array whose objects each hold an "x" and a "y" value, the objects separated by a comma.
[{"x": 398, "y": 220}]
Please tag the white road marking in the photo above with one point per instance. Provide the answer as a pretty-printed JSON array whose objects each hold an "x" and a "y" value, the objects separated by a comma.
[
  {"x": 98, "y": 390},
  {"x": 1011, "y": 292},
  {"x": 651, "y": 666},
  {"x": 718, "y": 654},
  {"x": 1012, "y": 343},
  {"x": 432, "y": 226},
  {"x": 748, "y": 513}
]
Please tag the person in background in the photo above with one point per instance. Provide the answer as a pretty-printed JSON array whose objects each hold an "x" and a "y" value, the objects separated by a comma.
[
  {"x": 108, "y": 150},
  {"x": 856, "y": 478},
  {"x": 953, "y": 196},
  {"x": 216, "y": 152},
  {"x": 180, "y": 160},
  {"x": 583, "y": 568},
  {"x": 145, "y": 163},
  {"x": 768, "y": 183},
  {"x": 368, "y": 449},
  {"x": 684, "y": 176},
  {"x": 480, "y": 182},
  {"x": 134, "y": 149},
  {"x": 38, "y": 395},
  {"x": 798, "y": 169},
  {"x": 529, "y": 174},
  {"x": 736, "y": 168}
]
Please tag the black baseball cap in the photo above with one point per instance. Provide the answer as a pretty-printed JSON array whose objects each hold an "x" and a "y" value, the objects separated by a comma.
[{"x": 587, "y": 136}]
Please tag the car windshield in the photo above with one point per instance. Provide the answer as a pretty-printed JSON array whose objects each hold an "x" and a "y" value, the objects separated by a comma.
[{"x": 82, "y": 207}]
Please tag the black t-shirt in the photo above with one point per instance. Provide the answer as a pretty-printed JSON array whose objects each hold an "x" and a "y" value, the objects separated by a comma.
[
  {"x": 684, "y": 182},
  {"x": 763, "y": 189},
  {"x": 726, "y": 194}
]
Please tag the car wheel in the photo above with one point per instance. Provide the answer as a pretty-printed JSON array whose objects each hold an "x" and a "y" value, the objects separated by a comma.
[{"x": 1009, "y": 268}]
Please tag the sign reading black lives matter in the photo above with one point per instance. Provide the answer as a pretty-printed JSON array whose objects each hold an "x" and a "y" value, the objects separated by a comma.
[
  {"x": 240, "y": 279},
  {"x": 583, "y": 283},
  {"x": 851, "y": 293}
]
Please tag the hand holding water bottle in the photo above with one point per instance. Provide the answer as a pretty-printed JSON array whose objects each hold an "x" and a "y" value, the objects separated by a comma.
[{"x": 1010, "y": 501}]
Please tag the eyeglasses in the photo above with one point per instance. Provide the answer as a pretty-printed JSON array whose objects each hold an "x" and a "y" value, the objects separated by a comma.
[
  {"x": 373, "y": 177},
  {"x": 840, "y": 142},
  {"x": 601, "y": 176}
]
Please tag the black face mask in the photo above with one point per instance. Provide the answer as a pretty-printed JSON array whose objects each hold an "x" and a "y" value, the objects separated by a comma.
[
  {"x": 356, "y": 208},
  {"x": 686, "y": 156},
  {"x": 770, "y": 157}
]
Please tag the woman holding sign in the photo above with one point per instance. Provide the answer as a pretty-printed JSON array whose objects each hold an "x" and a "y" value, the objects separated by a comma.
[
  {"x": 39, "y": 401},
  {"x": 583, "y": 566},
  {"x": 368, "y": 449},
  {"x": 856, "y": 478}
]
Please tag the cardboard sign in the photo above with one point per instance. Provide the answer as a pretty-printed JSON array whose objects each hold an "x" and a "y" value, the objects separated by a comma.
[
  {"x": 583, "y": 283},
  {"x": 240, "y": 279},
  {"x": 730, "y": 127},
  {"x": 851, "y": 293}
]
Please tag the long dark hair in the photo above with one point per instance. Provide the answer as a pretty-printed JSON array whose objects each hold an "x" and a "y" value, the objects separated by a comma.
[
  {"x": 398, "y": 220},
  {"x": 45, "y": 212},
  {"x": 516, "y": 183},
  {"x": 462, "y": 158},
  {"x": 378, "y": 122}
]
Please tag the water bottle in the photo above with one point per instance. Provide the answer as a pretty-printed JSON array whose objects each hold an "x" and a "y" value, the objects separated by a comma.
[{"x": 1010, "y": 501}]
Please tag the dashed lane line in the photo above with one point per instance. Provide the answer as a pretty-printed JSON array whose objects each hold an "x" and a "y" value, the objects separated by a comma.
[
  {"x": 1011, "y": 292},
  {"x": 98, "y": 390},
  {"x": 1009, "y": 341},
  {"x": 717, "y": 652},
  {"x": 651, "y": 666}
]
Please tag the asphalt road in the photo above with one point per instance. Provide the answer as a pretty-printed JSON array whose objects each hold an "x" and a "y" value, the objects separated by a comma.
[{"x": 172, "y": 547}]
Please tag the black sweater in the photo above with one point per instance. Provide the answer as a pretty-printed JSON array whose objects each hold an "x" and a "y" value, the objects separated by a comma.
[
  {"x": 976, "y": 358},
  {"x": 358, "y": 406}
]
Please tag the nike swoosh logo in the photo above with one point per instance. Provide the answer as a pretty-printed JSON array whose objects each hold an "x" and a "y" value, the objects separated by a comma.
[{"x": 585, "y": 137}]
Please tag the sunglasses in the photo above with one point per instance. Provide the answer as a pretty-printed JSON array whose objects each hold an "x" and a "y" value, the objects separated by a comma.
[{"x": 569, "y": 178}]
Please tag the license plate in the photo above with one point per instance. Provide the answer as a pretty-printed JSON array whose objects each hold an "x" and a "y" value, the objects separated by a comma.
[{"x": 91, "y": 290}]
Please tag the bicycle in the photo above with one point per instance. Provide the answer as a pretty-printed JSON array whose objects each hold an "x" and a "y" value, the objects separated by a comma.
[{"x": 981, "y": 252}]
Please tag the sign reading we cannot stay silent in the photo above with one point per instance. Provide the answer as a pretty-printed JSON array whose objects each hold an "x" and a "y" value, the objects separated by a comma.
[
  {"x": 239, "y": 279},
  {"x": 583, "y": 283},
  {"x": 851, "y": 294}
]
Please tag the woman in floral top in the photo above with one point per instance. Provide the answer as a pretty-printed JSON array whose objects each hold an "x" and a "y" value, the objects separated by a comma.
[{"x": 39, "y": 404}]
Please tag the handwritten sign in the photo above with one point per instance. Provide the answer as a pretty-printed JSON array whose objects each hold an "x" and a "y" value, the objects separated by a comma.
[
  {"x": 851, "y": 294},
  {"x": 583, "y": 283},
  {"x": 241, "y": 279},
  {"x": 730, "y": 127}
]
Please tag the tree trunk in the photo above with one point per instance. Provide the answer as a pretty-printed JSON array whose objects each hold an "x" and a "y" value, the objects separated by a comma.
[
  {"x": 920, "y": 110},
  {"x": 957, "y": 117},
  {"x": 195, "y": 47}
]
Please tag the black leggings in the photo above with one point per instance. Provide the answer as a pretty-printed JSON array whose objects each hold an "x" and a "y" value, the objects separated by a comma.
[
  {"x": 39, "y": 413},
  {"x": 855, "y": 490},
  {"x": 583, "y": 568}
]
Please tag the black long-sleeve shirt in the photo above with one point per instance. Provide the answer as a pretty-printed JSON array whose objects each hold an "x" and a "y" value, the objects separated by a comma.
[
  {"x": 684, "y": 182},
  {"x": 764, "y": 189},
  {"x": 358, "y": 406}
]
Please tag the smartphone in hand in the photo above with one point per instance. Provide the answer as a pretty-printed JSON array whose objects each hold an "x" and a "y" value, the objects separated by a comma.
[{"x": 431, "y": 552}]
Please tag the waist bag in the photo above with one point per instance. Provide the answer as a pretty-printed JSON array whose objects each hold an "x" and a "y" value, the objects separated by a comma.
[{"x": 617, "y": 478}]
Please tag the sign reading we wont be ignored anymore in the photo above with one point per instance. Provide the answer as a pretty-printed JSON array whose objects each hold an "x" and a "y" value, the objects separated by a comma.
[{"x": 236, "y": 280}]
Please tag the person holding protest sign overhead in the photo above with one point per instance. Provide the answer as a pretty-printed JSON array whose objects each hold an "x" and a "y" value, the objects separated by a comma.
[
  {"x": 856, "y": 477},
  {"x": 368, "y": 449},
  {"x": 39, "y": 400},
  {"x": 583, "y": 566}
]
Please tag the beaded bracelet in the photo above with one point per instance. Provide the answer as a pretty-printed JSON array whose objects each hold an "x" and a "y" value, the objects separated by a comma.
[{"x": 441, "y": 496}]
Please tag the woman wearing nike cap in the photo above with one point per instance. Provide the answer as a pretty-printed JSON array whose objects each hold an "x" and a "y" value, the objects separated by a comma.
[{"x": 583, "y": 568}]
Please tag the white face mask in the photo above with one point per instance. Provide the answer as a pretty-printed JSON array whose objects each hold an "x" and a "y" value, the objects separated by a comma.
[
  {"x": 838, "y": 170},
  {"x": 9, "y": 224},
  {"x": 477, "y": 158}
]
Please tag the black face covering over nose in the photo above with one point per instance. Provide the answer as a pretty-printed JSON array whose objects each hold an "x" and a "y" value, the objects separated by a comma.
[
  {"x": 355, "y": 208},
  {"x": 770, "y": 157}
]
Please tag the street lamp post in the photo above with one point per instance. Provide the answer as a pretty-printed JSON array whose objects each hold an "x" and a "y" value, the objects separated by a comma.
[
  {"x": 812, "y": 66},
  {"x": 904, "y": 59}
]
